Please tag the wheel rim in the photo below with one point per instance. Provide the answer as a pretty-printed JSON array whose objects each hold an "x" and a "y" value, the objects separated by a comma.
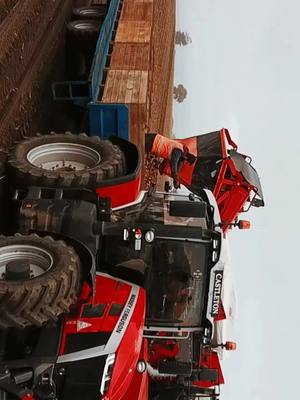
[
  {"x": 63, "y": 157},
  {"x": 85, "y": 25},
  {"x": 39, "y": 259},
  {"x": 92, "y": 12}
]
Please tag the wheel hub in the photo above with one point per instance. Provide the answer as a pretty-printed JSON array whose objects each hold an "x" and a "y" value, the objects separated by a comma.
[
  {"x": 63, "y": 157},
  {"x": 22, "y": 261},
  {"x": 17, "y": 271}
]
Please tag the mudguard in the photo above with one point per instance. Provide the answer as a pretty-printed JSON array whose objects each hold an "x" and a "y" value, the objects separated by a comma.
[{"x": 124, "y": 189}]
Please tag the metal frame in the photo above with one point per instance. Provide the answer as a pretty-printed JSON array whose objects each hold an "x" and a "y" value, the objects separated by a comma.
[
  {"x": 69, "y": 87},
  {"x": 180, "y": 333},
  {"x": 92, "y": 84}
]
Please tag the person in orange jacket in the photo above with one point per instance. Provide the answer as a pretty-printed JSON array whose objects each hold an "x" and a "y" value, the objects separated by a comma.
[{"x": 170, "y": 151}]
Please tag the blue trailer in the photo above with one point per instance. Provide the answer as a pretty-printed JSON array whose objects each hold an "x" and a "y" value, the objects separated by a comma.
[{"x": 105, "y": 120}]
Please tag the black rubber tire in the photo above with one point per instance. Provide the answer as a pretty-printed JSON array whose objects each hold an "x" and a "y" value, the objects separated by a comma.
[
  {"x": 95, "y": 12},
  {"x": 77, "y": 64},
  {"x": 33, "y": 302},
  {"x": 82, "y": 35},
  {"x": 80, "y": 47},
  {"x": 3, "y": 159},
  {"x": 3, "y": 191},
  {"x": 25, "y": 174}
]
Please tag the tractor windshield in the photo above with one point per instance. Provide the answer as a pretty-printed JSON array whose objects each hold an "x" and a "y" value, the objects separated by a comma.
[
  {"x": 176, "y": 263},
  {"x": 176, "y": 273},
  {"x": 176, "y": 282}
]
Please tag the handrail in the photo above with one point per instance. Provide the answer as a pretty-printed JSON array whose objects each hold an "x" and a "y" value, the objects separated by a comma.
[{"x": 105, "y": 35}]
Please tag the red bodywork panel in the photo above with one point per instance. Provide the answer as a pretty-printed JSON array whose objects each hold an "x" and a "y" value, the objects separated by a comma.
[
  {"x": 109, "y": 292},
  {"x": 124, "y": 189},
  {"x": 231, "y": 189},
  {"x": 166, "y": 350},
  {"x": 210, "y": 359},
  {"x": 128, "y": 353},
  {"x": 122, "y": 193},
  {"x": 221, "y": 313},
  {"x": 139, "y": 386}
]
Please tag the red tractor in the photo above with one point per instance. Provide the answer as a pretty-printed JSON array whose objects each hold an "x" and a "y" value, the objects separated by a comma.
[
  {"x": 101, "y": 277},
  {"x": 220, "y": 168}
]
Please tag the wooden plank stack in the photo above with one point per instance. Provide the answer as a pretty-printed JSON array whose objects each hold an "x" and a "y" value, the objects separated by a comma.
[
  {"x": 129, "y": 55},
  {"x": 127, "y": 78}
]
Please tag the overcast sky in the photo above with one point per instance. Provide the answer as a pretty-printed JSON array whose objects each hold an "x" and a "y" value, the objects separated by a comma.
[{"x": 242, "y": 72}]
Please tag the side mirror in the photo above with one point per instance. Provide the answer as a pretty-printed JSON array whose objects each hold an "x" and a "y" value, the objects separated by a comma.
[
  {"x": 180, "y": 208},
  {"x": 257, "y": 202}
]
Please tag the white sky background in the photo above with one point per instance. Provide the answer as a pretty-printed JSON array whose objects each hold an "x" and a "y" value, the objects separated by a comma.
[{"x": 242, "y": 72}]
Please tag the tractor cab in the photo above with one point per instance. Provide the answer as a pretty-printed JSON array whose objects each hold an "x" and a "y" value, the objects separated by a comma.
[
  {"x": 172, "y": 245},
  {"x": 220, "y": 168}
]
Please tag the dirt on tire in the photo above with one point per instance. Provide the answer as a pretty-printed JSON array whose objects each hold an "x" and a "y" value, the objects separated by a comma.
[
  {"x": 44, "y": 297},
  {"x": 111, "y": 162}
]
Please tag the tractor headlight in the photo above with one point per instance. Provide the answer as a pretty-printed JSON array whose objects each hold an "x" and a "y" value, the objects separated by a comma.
[
  {"x": 141, "y": 366},
  {"x": 107, "y": 373},
  {"x": 149, "y": 236}
]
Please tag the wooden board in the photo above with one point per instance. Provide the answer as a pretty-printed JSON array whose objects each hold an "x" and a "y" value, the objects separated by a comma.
[
  {"x": 126, "y": 86},
  {"x": 133, "y": 31},
  {"x": 138, "y": 124},
  {"x": 130, "y": 56},
  {"x": 137, "y": 12}
]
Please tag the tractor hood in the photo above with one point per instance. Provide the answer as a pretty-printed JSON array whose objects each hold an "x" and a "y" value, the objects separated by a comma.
[{"x": 100, "y": 347}]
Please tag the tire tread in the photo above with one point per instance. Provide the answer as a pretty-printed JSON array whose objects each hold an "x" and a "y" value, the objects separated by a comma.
[
  {"x": 26, "y": 174},
  {"x": 36, "y": 301}
]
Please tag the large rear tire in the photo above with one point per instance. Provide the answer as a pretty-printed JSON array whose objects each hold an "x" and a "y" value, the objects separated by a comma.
[
  {"x": 48, "y": 287},
  {"x": 65, "y": 160},
  {"x": 3, "y": 191}
]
